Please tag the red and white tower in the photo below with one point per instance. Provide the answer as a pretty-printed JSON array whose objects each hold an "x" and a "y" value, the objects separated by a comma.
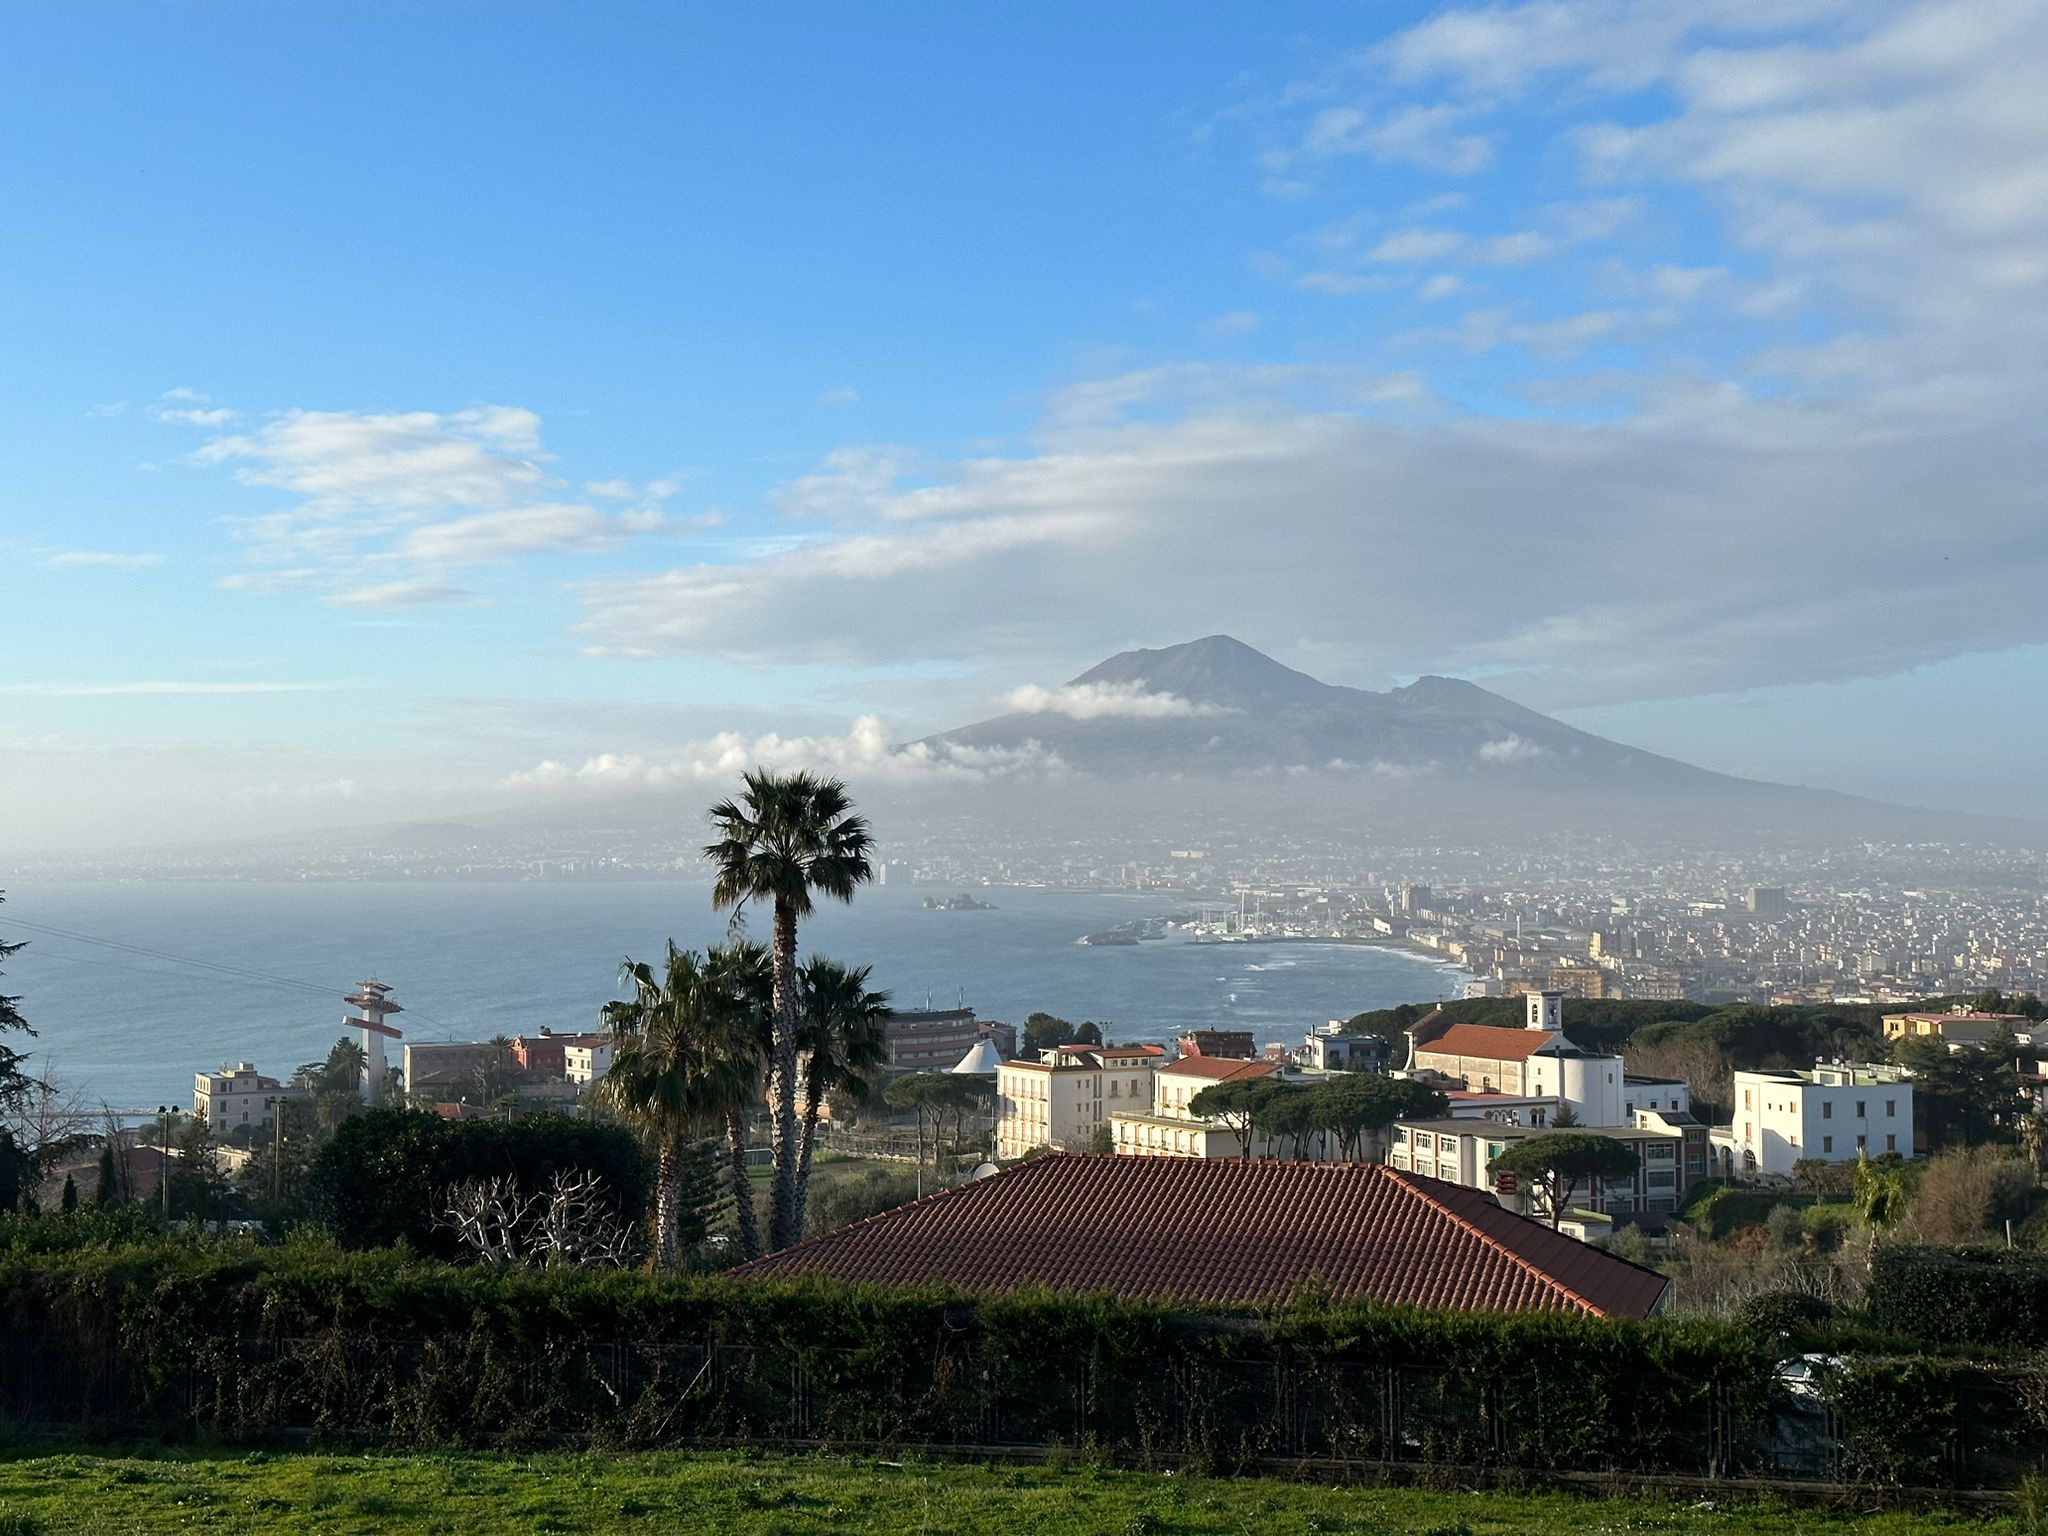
[{"x": 372, "y": 999}]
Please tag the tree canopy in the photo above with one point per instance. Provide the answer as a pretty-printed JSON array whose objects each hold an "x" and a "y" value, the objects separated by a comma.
[
  {"x": 1332, "y": 1117},
  {"x": 1556, "y": 1164}
]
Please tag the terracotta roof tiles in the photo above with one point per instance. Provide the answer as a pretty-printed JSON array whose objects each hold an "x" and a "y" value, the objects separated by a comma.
[
  {"x": 1493, "y": 1042},
  {"x": 1216, "y": 1068},
  {"x": 1226, "y": 1232}
]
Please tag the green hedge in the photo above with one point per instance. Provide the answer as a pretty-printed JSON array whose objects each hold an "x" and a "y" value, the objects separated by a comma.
[
  {"x": 1988, "y": 1296},
  {"x": 248, "y": 1343}
]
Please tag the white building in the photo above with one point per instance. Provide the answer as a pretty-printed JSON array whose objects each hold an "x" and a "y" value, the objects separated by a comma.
[
  {"x": 1831, "y": 1113},
  {"x": 1671, "y": 1155},
  {"x": 1166, "y": 1127},
  {"x": 585, "y": 1064},
  {"x": 1062, "y": 1100},
  {"x": 239, "y": 1098},
  {"x": 1536, "y": 1061},
  {"x": 1333, "y": 1048}
]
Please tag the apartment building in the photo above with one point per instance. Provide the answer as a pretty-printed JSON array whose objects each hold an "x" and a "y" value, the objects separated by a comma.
[
  {"x": 584, "y": 1064},
  {"x": 239, "y": 1099},
  {"x": 1166, "y": 1127},
  {"x": 1064, "y": 1099},
  {"x": 1832, "y": 1113},
  {"x": 1672, "y": 1153}
]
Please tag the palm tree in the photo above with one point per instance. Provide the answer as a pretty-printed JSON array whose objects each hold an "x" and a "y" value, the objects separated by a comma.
[
  {"x": 843, "y": 1044},
  {"x": 787, "y": 838},
  {"x": 347, "y": 1063},
  {"x": 686, "y": 1058}
]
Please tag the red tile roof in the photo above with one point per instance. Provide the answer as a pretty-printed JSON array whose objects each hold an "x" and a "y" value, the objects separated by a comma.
[
  {"x": 1217, "y": 1068},
  {"x": 1494, "y": 1042},
  {"x": 1226, "y": 1232}
]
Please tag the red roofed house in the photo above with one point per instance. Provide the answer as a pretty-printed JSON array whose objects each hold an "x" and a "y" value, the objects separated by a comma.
[
  {"x": 1225, "y": 1233},
  {"x": 1535, "y": 1061}
]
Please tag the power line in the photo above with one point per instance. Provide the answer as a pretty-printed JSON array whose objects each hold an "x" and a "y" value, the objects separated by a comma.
[{"x": 226, "y": 968}]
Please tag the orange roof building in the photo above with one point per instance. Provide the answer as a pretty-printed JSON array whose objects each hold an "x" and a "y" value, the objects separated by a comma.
[{"x": 1226, "y": 1233}]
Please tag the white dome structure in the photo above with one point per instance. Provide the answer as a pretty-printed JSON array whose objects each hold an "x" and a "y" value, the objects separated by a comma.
[{"x": 982, "y": 1061}]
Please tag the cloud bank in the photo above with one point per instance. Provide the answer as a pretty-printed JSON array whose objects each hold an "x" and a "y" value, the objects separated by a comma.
[
  {"x": 1105, "y": 701},
  {"x": 868, "y": 753},
  {"x": 406, "y": 497}
]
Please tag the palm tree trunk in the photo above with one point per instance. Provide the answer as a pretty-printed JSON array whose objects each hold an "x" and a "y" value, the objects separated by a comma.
[
  {"x": 809, "y": 1138},
  {"x": 668, "y": 1201},
  {"x": 742, "y": 1189},
  {"x": 785, "y": 1217}
]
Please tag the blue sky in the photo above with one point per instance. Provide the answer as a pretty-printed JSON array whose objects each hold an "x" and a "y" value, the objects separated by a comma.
[{"x": 410, "y": 406}]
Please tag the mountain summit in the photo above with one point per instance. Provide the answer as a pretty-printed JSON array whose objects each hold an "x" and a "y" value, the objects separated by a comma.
[
  {"x": 1216, "y": 705},
  {"x": 1213, "y": 670},
  {"x": 1440, "y": 749}
]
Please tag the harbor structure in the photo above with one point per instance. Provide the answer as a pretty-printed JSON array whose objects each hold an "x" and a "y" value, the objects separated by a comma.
[{"x": 373, "y": 1005}]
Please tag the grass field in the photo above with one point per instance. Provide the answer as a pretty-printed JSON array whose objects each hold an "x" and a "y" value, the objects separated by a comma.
[{"x": 42, "y": 1495}]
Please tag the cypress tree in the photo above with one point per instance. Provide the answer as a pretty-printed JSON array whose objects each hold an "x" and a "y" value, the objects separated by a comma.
[{"x": 109, "y": 1191}]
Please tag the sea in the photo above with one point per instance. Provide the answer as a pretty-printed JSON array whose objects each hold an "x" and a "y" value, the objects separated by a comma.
[{"x": 149, "y": 982}]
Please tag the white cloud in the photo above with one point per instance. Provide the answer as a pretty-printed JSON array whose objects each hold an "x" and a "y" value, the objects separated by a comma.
[
  {"x": 488, "y": 537},
  {"x": 194, "y": 416},
  {"x": 401, "y": 594},
  {"x": 397, "y": 462},
  {"x": 1238, "y": 322},
  {"x": 1427, "y": 136},
  {"x": 1511, "y": 749},
  {"x": 867, "y": 753},
  {"x": 99, "y": 559},
  {"x": 1105, "y": 701},
  {"x": 406, "y": 497},
  {"x": 844, "y": 394},
  {"x": 109, "y": 408},
  {"x": 297, "y": 579},
  {"x": 1719, "y": 520},
  {"x": 1344, "y": 283},
  {"x": 1417, "y": 245}
]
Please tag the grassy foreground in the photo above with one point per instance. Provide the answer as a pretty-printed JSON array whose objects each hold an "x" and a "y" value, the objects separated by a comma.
[{"x": 216, "y": 1491}]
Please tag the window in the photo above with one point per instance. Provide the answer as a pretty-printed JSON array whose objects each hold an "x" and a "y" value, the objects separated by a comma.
[
  {"x": 1860, "y": 1140},
  {"x": 1860, "y": 1111},
  {"x": 1827, "y": 1109},
  {"x": 1891, "y": 1107},
  {"x": 1745, "y": 1100},
  {"x": 1891, "y": 1143},
  {"x": 1827, "y": 1143}
]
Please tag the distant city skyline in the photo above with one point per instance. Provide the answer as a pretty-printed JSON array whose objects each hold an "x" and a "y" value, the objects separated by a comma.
[{"x": 404, "y": 400}]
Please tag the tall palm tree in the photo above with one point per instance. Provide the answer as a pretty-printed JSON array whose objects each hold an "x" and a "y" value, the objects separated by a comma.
[
  {"x": 842, "y": 1042},
  {"x": 347, "y": 1063},
  {"x": 789, "y": 837},
  {"x": 686, "y": 1059}
]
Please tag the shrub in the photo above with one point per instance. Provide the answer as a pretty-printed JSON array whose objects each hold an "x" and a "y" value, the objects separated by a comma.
[
  {"x": 1991, "y": 1296},
  {"x": 1781, "y": 1315},
  {"x": 1828, "y": 1224},
  {"x": 381, "y": 1180}
]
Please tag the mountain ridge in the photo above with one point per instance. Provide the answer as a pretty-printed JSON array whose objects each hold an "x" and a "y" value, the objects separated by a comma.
[{"x": 1443, "y": 746}]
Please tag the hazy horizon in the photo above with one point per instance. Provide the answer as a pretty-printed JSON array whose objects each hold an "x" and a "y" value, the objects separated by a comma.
[{"x": 416, "y": 417}]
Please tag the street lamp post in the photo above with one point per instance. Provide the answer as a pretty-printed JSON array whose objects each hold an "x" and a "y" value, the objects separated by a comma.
[{"x": 163, "y": 1158}]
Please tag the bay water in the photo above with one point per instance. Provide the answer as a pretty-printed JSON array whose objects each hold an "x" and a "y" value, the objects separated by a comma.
[{"x": 467, "y": 961}]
